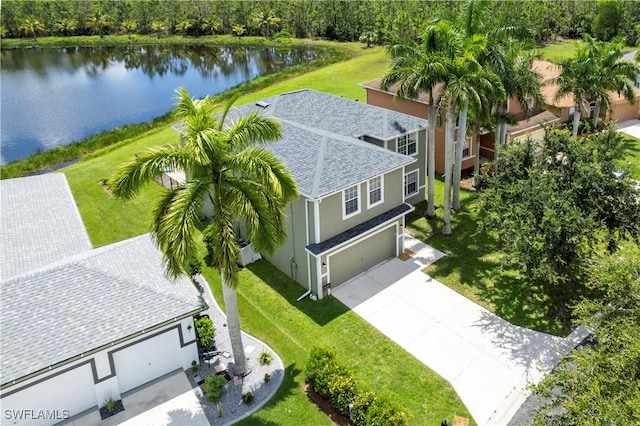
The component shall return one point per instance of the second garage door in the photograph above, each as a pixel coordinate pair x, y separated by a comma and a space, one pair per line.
358, 258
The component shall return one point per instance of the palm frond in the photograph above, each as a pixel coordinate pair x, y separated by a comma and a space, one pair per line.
251, 129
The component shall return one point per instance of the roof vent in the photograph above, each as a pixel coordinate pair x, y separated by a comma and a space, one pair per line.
262, 104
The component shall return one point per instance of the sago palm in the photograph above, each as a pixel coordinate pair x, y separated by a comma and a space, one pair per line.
227, 169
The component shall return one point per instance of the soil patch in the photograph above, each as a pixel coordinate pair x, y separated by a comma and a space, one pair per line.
336, 417
103, 183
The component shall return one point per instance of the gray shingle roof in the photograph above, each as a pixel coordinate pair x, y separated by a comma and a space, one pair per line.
319, 145
86, 301
39, 223
341, 116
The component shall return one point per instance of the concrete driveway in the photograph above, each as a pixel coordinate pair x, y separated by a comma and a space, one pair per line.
487, 360
630, 127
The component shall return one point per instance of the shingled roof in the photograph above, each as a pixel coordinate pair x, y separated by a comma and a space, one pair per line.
319, 143
39, 223
82, 298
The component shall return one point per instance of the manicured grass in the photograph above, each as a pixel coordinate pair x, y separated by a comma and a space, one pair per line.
555, 52
632, 155
269, 311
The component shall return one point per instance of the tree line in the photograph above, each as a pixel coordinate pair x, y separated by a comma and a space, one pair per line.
376, 22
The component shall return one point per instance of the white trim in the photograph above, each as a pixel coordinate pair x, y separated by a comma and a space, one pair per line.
306, 219
344, 202
381, 177
404, 184
415, 141
316, 220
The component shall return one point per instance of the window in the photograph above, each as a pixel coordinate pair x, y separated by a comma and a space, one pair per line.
466, 148
375, 191
411, 183
406, 144
351, 197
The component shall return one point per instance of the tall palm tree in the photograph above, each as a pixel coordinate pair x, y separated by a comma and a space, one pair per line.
99, 22
612, 73
228, 167
421, 68
576, 78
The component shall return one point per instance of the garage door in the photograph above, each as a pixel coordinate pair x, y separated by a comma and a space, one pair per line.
60, 396
147, 360
358, 258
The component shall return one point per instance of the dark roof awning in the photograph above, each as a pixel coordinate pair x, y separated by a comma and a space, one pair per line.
356, 231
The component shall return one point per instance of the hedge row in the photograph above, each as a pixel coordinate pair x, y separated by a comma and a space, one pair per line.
338, 384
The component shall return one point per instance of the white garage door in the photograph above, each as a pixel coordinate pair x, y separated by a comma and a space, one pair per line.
147, 360
358, 258
52, 400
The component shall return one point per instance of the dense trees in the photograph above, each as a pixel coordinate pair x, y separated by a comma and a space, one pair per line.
228, 170
598, 384
553, 207
344, 20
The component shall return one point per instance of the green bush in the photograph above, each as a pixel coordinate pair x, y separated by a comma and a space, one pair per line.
265, 358
342, 390
247, 397
205, 331
339, 386
213, 386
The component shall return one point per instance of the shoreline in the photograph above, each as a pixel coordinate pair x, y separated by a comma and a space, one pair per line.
63, 155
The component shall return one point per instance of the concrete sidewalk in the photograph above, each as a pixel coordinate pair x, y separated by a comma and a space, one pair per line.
489, 361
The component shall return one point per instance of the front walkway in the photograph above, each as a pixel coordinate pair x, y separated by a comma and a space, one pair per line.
630, 127
487, 360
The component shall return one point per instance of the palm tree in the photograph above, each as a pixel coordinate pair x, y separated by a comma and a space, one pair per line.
228, 167
158, 28
420, 68
265, 21
99, 22
612, 74
66, 26
32, 26
238, 30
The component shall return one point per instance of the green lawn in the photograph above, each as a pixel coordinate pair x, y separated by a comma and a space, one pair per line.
269, 311
632, 155
555, 52
267, 297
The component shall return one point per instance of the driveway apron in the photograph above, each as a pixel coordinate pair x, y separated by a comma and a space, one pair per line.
489, 361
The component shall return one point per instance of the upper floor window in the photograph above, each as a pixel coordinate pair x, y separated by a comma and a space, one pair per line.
406, 144
351, 198
375, 191
466, 148
411, 184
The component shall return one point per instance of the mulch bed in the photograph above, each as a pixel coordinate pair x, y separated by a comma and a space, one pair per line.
104, 413
336, 417
406, 255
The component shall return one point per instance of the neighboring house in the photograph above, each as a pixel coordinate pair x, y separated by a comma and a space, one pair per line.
80, 325
359, 169
564, 108
529, 125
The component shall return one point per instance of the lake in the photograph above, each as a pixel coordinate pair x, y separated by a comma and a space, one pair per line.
51, 97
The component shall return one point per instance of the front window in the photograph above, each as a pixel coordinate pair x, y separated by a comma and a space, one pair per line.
406, 144
411, 183
375, 191
351, 201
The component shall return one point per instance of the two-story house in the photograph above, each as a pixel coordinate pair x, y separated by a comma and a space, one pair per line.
359, 169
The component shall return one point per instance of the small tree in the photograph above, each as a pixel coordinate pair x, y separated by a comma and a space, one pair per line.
239, 30
31, 26
213, 386
205, 331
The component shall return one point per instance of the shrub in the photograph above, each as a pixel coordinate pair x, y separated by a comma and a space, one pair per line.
247, 397
339, 386
194, 366
342, 390
109, 404
213, 386
267, 377
205, 331
265, 358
